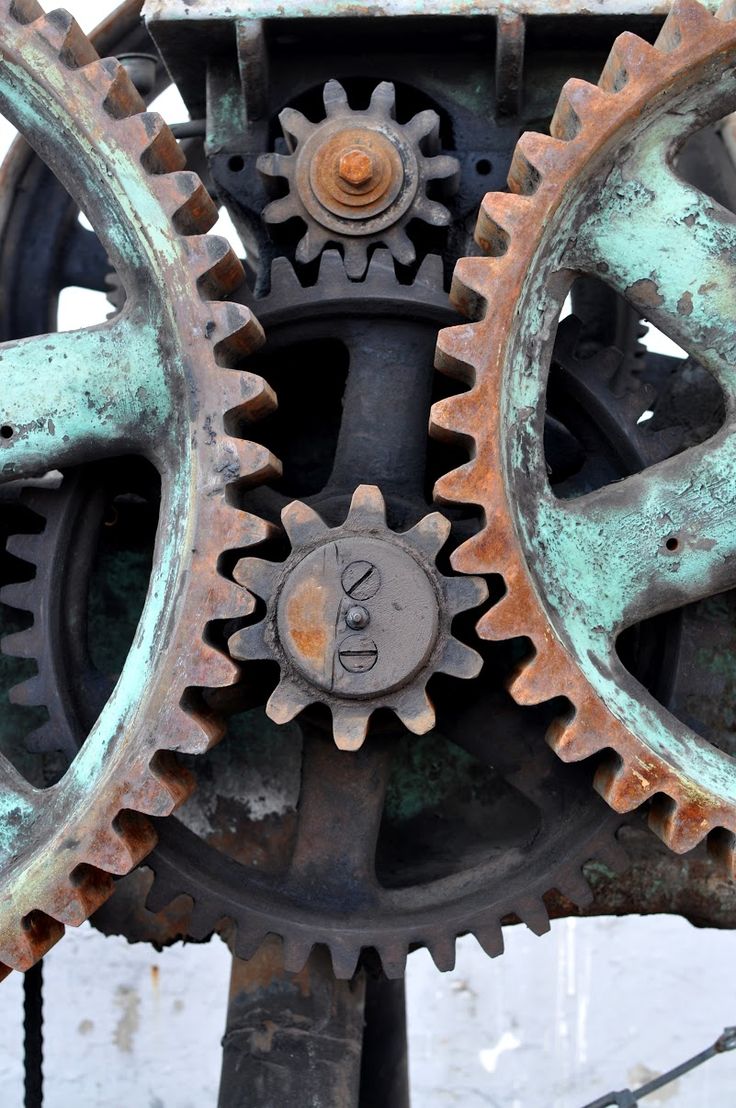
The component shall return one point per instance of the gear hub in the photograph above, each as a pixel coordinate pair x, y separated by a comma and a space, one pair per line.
357, 178
358, 617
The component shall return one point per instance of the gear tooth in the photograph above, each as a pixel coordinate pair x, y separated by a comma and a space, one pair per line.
210, 669
349, 726
285, 702
469, 292
120, 98
430, 534
235, 333
335, 99
400, 245
245, 396
431, 272
30, 942
311, 245
464, 593
202, 922
415, 710
162, 789
258, 576
455, 348
331, 267
294, 125
575, 738
471, 557
344, 960
424, 127
458, 660
18, 595
216, 269
611, 854
297, 948
149, 133
247, 941
442, 950
88, 889
281, 210
533, 913
393, 959
457, 486
64, 35
25, 11
452, 419
442, 167
190, 207
501, 216
367, 507
722, 849
685, 23
275, 165
578, 100
255, 463
431, 211
383, 101
380, 269
502, 621
530, 682
119, 847
29, 548
535, 156
30, 693
623, 785
159, 896
302, 524
490, 937
572, 884
196, 733
356, 259
682, 826
225, 599
249, 645
630, 56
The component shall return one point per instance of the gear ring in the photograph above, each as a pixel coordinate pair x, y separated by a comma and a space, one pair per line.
358, 178
634, 548
59, 846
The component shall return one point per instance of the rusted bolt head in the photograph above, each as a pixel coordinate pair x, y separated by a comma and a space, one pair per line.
357, 617
355, 166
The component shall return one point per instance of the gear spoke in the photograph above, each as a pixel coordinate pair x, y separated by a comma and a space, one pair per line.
652, 542
683, 286
78, 395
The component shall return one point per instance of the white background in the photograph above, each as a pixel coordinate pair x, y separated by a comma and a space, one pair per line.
556, 1022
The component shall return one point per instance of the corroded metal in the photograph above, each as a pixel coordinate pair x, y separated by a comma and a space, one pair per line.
579, 571
357, 178
157, 379
294, 9
358, 657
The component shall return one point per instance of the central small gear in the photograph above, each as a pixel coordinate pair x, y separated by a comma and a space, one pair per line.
358, 617
358, 177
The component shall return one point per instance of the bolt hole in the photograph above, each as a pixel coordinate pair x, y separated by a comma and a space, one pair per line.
672, 544
483, 167
236, 164
6, 432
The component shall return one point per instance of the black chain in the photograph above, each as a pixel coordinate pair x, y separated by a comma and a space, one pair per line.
33, 1035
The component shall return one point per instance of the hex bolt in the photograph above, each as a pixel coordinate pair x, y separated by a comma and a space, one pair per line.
361, 580
357, 654
355, 166
357, 617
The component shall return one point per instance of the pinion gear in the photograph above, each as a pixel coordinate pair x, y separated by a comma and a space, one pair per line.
357, 178
155, 380
601, 197
358, 617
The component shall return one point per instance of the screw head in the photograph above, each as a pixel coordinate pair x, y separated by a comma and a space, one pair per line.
361, 580
357, 654
357, 617
355, 166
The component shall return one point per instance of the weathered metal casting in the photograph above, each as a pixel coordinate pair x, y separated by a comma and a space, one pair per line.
358, 178
600, 197
358, 618
156, 380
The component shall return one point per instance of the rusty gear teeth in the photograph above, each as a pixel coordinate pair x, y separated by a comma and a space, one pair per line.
369, 203
71, 847
527, 233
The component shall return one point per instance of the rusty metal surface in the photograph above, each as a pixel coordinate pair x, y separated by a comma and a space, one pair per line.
60, 845
357, 178
565, 190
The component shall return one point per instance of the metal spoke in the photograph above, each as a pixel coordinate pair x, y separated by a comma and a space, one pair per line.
79, 395
652, 542
671, 251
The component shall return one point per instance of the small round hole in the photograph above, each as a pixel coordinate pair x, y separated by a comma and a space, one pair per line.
6, 432
672, 544
483, 167
236, 164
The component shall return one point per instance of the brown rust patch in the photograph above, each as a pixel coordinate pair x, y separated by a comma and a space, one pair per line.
308, 618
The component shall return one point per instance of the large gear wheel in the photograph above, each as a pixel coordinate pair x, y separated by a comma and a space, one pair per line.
357, 178
156, 380
601, 197
358, 618
519, 821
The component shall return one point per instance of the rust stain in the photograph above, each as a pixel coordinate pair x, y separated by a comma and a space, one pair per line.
308, 620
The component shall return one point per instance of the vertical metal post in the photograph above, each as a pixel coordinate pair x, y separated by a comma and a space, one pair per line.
33, 1035
384, 1075
291, 1040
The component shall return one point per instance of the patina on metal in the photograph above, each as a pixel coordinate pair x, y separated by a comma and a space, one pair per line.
145, 382
578, 572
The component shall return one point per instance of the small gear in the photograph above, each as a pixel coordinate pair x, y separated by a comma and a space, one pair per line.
358, 617
601, 197
357, 178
